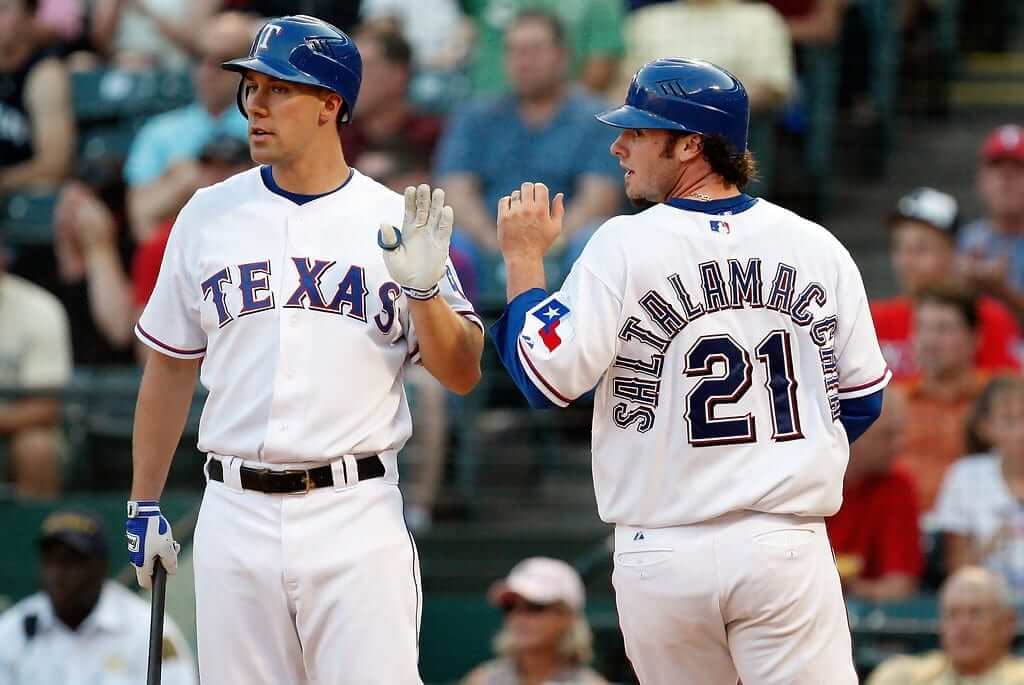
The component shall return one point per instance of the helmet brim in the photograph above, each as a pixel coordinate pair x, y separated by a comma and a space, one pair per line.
629, 116
270, 67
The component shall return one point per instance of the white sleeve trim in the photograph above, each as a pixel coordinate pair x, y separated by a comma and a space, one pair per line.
868, 388
162, 347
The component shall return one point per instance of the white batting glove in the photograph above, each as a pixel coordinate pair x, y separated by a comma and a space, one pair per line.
416, 255
149, 536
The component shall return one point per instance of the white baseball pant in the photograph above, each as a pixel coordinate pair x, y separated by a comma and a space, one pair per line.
321, 588
748, 595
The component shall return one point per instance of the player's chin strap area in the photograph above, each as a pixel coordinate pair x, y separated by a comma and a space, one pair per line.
298, 481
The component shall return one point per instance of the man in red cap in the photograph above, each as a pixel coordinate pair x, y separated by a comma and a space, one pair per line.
993, 246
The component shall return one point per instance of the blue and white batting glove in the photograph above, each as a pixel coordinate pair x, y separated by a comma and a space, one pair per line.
149, 536
417, 255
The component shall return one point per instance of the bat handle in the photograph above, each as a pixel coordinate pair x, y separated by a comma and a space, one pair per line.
156, 623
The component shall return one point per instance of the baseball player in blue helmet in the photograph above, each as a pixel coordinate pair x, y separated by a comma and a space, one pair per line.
734, 359
306, 302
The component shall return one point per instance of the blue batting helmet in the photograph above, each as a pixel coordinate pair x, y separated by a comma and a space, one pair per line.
304, 49
685, 95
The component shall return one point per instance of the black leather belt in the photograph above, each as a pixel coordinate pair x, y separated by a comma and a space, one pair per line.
293, 481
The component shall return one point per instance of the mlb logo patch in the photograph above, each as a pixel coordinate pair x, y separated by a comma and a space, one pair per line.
554, 328
720, 227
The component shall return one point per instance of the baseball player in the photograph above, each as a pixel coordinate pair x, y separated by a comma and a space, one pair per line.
734, 358
277, 281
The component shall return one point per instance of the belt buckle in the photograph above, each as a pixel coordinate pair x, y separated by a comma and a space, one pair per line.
307, 482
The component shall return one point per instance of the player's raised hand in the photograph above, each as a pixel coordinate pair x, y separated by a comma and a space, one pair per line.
527, 222
416, 255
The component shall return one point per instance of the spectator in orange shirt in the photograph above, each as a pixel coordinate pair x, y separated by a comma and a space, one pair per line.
875, 534
924, 229
937, 404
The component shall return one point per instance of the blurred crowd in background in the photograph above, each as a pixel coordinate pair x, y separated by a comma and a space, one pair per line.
114, 112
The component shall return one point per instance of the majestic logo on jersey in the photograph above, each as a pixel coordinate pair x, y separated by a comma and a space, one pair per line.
720, 227
552, 314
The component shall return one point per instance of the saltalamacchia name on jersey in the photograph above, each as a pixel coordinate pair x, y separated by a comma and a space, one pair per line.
743, 287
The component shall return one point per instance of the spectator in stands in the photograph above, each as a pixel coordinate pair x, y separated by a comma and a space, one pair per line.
384, 115
545, 637
35, 365
147, 34
748, 39
93, 248
593, 40
434, 29
81, 627
344, 15
923, 227
979, 436
544, 130
979, 506
938, 402
977, 624
37, 130
88, 228
875, 533
993, 246
162, 171
811, 22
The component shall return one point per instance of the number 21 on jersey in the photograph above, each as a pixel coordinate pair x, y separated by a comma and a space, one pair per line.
705, 427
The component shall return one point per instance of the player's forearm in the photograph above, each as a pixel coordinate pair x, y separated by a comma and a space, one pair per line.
473, 217
522, 274
889, 588
110, 294
28, 413
152, 203
450, 345
164, 399
598, 201
35, 172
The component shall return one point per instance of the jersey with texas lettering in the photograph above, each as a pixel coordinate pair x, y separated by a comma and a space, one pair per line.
302, 332
721, 346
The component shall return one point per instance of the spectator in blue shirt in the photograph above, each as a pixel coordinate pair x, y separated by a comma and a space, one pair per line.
162, 169
993, 246
543, 130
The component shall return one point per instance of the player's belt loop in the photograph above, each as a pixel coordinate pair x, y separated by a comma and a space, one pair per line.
233, 473
346, 472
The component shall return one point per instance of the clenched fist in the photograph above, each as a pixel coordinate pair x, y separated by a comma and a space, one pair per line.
527, 224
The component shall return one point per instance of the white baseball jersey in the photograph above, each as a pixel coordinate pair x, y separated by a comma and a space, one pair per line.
721, 346
302, 332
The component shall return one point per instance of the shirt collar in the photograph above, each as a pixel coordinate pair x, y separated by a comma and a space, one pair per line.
105, 616
729, 205
267, 175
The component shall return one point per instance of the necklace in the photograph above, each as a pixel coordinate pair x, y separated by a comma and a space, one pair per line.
703, 197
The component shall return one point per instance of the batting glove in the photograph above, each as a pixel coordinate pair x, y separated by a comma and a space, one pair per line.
149, 537
417, 255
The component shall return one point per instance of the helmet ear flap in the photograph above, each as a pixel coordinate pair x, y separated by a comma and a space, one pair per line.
240, 98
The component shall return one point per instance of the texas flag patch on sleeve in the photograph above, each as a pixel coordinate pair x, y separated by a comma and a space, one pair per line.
548, 326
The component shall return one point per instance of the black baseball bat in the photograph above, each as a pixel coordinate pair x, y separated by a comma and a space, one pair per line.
156, 623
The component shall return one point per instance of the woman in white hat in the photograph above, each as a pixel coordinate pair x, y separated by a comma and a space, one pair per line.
545, 638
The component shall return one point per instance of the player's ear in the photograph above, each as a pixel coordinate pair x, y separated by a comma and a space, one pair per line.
689, 146
331, 107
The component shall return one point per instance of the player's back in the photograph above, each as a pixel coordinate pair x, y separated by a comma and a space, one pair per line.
737, 336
